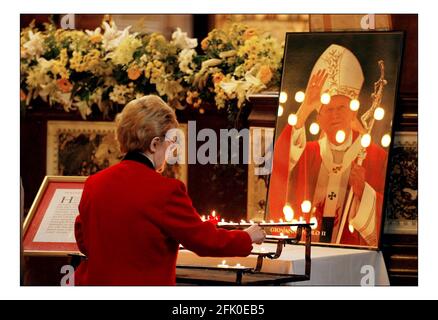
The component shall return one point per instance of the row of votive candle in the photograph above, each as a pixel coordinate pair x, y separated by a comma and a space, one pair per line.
226, 266
263, 223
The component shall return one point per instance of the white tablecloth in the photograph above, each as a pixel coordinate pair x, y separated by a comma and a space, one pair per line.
330, 266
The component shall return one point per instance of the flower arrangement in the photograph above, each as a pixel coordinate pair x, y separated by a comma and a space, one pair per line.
107, 66
237, 62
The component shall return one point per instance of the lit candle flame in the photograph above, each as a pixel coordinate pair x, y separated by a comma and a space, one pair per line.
314, 128
379, 113
283, 97
365, 141
386, 140
288, 212
351, 228
213, 213
354, 105
280, 111
340, 136
299, 96
223, 264
294, 228
292, 119
306, 206
315, 222
325, 98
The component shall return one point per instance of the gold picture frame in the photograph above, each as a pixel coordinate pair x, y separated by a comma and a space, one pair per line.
37, 213
82, 148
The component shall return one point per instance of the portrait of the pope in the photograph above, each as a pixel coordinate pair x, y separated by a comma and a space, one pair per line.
332, 139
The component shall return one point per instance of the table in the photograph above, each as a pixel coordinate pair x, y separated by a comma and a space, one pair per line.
330, 266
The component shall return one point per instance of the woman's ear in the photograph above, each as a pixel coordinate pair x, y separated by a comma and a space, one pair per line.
154, 144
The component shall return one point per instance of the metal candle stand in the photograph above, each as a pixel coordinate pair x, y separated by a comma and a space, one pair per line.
251, 276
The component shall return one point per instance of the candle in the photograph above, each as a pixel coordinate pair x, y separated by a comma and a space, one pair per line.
315, 222
293, 228
261, 250
203, 218
223, 264
325, 98
281, 236
306, 206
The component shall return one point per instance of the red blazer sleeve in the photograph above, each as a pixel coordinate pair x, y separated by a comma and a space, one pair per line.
181, 222
79, 235
83, 208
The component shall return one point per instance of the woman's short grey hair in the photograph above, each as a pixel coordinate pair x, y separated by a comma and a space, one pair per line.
141, 120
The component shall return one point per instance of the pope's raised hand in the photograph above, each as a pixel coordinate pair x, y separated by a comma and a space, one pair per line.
313, 91
312, 99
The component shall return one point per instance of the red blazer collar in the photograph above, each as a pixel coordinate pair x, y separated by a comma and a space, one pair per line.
139, 157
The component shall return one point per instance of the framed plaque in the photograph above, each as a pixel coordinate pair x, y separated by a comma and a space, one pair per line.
49, 227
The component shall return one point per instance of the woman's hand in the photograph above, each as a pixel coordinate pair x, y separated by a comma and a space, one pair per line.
312, 97
256, 233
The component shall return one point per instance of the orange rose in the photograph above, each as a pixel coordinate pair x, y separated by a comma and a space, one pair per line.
264, 74
64, 85
204, 44
134, 73
218, 77
249, 33
96, 38
193, 99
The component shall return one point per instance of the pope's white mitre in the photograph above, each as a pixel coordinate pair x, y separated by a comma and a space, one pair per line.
345, 76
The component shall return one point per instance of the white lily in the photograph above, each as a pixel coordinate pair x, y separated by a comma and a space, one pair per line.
182, 41
242, 88
62, 98
112, 36
82, 106
95, 32
96, 98
34, 46
201, 77
185, 59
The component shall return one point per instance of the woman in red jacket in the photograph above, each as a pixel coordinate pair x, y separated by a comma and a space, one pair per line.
132, 219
